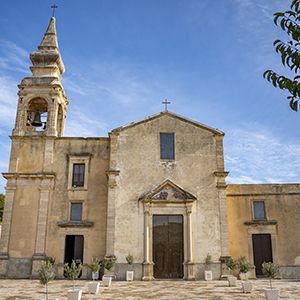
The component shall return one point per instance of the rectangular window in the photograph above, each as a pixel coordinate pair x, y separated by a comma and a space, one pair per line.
167, 150
76, 212
259, 212
78, 175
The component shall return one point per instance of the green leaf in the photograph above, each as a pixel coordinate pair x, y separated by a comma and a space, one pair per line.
294, 105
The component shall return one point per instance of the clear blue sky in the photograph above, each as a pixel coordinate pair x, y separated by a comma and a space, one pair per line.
123, 57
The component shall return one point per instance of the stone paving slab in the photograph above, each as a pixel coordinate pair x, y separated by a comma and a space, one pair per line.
139, 290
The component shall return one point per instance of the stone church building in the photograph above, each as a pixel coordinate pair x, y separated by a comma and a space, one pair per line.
155, 188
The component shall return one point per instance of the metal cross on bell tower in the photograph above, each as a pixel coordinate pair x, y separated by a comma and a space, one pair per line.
54, 7
166, 102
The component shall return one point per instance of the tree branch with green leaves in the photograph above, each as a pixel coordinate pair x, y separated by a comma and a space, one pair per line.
289, 22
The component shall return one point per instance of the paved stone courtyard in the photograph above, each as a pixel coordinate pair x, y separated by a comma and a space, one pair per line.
165, 290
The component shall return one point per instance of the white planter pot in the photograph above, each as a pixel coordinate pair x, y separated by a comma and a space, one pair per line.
247, 286
231, 280
208, 275
272, 294
129, 275
244, 276
93, 287
95, 275
106, 280
74, 295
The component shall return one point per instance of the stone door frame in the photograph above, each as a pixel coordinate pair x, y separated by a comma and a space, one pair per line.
162, 208
262, 229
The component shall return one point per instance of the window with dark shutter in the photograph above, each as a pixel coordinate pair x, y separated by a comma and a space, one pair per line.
78, 175
167, 150
259, 212
76, 212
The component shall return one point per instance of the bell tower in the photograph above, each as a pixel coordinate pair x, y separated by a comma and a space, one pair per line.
42, 103
40, 119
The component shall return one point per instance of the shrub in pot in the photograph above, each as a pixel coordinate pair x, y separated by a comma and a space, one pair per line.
129, 273
244, 267
270, 270
72, 272
46, 274
108, 264
94, 266
231, 265
208, 272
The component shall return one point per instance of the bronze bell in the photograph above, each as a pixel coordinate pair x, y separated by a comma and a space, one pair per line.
37, 120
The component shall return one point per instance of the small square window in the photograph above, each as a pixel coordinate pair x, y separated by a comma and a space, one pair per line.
259, 212
78, 175
76, 212
167, 150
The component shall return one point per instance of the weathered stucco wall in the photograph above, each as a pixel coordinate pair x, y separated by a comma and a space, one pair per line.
37, 201
24, 222
282, 204
137, 157
94, 198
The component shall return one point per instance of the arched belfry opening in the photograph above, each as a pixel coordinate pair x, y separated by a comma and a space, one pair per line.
37, 114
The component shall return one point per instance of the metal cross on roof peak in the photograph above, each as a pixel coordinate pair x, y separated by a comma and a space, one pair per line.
54, 6
166, 102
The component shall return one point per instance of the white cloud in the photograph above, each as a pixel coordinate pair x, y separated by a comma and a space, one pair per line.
8, 102
83, 125
13, 57
122, 84
253, 155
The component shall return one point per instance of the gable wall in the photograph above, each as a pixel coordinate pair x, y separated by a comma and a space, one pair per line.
137, 157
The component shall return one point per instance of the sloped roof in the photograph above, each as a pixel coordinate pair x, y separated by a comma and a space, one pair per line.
152, 193
173, 115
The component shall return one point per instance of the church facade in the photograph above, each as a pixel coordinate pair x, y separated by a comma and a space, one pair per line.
155, 189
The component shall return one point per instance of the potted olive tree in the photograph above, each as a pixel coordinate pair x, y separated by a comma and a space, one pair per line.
231, 265
208, 271
108, 264
46, 274
129, 273
94, 266
271, 270
72, 272
244, 268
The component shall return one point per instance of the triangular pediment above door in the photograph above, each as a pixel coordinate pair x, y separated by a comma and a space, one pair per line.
168, 191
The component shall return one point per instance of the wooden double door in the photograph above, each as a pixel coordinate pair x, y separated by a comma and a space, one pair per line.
168, 246
262, 251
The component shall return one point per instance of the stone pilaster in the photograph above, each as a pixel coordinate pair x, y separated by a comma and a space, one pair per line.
221, 186
8, 207
223, 222
219, 152
40, 242
52, 118
147, 264
6, 224
111, 211
189, 264
18, 130
48, 155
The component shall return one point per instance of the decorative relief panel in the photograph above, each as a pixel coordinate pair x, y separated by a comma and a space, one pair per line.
169, 193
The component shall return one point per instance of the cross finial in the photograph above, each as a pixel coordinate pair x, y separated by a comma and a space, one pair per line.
166, 102
54, 6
